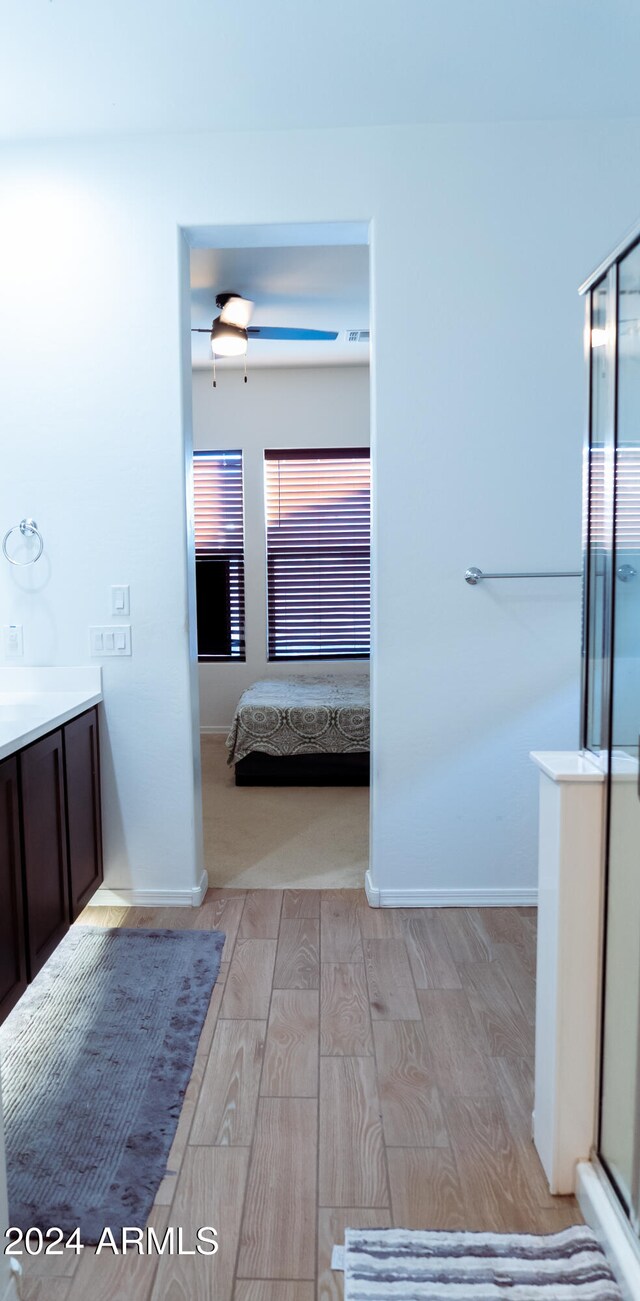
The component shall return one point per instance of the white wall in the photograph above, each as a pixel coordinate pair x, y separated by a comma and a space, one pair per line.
480, 237
286, 407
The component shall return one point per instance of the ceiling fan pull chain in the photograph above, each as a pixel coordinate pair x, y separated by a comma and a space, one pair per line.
245, 367
214, 371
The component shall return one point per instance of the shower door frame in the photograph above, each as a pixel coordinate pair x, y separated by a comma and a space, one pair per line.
607, 272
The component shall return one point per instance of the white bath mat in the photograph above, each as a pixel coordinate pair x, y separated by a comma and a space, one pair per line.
406, 1265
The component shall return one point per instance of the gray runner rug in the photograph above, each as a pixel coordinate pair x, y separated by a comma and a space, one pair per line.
407, 1265
96, 1058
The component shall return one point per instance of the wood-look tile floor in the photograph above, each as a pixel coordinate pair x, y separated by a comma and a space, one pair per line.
357, 1067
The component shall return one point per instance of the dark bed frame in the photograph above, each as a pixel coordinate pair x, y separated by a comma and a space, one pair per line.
258, 769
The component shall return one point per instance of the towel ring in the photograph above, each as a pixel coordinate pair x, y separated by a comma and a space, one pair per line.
29, 529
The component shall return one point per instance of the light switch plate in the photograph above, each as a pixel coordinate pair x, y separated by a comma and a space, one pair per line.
120, 603
13, 641
112, 640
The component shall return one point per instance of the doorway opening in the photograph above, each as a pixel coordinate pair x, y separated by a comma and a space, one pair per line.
279, 489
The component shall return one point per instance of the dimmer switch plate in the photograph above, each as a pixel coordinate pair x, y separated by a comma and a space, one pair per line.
112, 640
120, 599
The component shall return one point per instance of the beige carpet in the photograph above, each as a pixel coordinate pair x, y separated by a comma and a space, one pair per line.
292, 837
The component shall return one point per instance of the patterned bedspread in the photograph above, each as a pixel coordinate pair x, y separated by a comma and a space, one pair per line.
303, 715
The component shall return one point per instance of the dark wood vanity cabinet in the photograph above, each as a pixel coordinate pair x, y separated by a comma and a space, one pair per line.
13, 950
84, 838
50, 847
46, 876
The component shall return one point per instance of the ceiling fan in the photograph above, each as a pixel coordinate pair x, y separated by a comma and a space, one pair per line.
230, 332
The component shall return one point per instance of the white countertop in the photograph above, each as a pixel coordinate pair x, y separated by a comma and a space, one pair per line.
567, 766
579, 766
35, 701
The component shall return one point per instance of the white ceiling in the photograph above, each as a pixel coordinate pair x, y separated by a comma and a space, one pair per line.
318, 288
73, 67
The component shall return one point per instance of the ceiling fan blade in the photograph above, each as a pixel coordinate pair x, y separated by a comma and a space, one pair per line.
283, 332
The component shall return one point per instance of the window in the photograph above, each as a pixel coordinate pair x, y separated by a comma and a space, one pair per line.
219, 531
318, 552
627, 483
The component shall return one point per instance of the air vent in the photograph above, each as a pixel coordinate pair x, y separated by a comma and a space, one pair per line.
357, 336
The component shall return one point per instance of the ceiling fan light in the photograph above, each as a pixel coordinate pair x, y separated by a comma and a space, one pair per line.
228, 340
235, 309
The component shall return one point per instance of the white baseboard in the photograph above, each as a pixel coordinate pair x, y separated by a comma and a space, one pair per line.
126, 898
487, 898
372, 893
215, 729
200, 890
602, 1212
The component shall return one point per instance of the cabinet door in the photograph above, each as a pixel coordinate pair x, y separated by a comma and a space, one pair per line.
13, 958
82, 769
45, 847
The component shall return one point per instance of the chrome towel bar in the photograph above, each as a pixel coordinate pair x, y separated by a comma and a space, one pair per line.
474, 576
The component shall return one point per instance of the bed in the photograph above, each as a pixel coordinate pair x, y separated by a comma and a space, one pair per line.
302, 731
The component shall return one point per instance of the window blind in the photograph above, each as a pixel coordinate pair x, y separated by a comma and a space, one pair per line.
219, 538
627, 472
318, 553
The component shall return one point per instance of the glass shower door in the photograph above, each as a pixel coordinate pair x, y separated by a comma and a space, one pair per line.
600, 511
620, 1095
